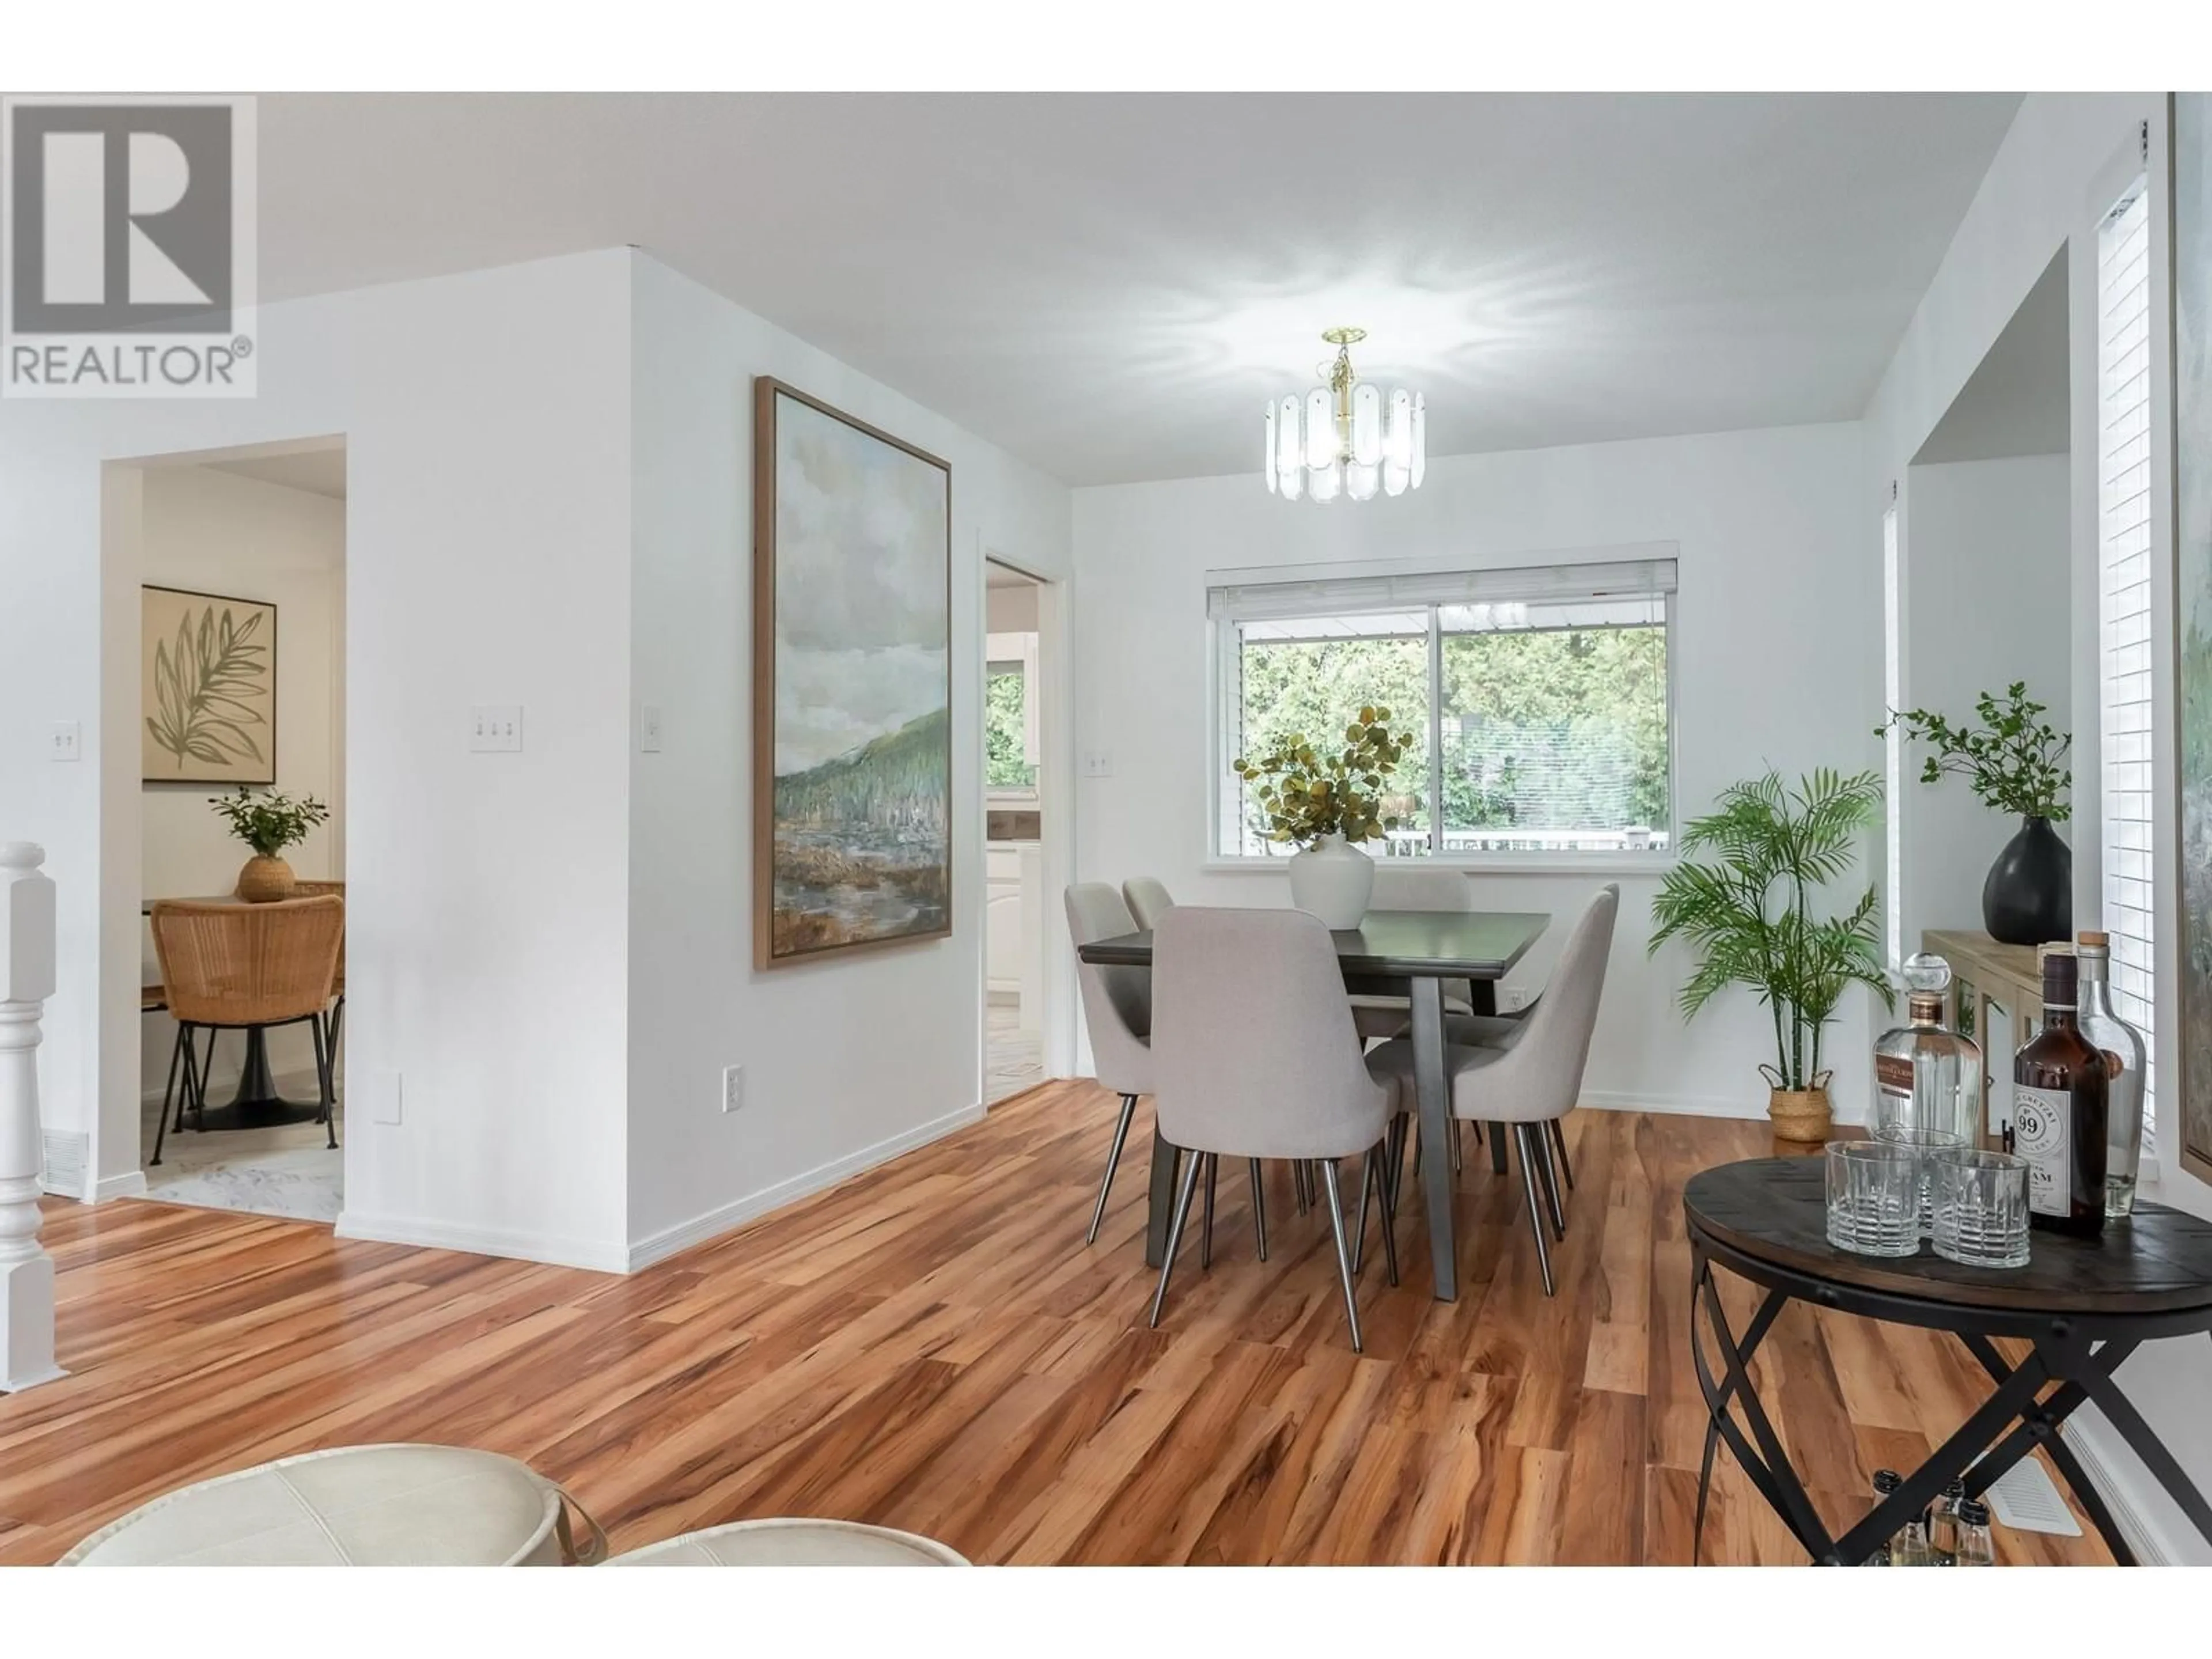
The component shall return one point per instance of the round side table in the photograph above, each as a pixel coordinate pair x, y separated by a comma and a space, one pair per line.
2084, 1305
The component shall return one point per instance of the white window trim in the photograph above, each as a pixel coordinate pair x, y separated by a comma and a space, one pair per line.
1212, 862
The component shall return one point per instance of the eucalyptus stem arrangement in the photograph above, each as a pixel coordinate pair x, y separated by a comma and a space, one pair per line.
270, 821
1306, 791
2015, 760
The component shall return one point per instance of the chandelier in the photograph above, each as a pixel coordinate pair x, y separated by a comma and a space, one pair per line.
1347, 438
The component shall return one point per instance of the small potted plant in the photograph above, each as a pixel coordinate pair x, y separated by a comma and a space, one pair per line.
2016, 761
268, 822
1323, 801
1749, 915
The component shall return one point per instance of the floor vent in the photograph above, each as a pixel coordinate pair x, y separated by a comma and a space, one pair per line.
63, 1157
2025, 1499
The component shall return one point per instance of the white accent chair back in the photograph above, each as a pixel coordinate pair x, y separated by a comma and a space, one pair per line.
1149, 900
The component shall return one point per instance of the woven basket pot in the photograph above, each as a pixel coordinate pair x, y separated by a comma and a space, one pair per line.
1797, 1114
266, 880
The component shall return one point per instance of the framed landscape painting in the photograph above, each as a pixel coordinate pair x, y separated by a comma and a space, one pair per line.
207, 688
2192, 536
852, 684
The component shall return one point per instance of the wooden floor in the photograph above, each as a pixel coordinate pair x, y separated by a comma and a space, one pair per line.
932, 1346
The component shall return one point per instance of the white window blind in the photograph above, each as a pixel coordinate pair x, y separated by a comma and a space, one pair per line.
1892, 691
2124, 608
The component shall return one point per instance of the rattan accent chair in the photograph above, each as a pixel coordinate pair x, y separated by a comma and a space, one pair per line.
334, 1022
232, 967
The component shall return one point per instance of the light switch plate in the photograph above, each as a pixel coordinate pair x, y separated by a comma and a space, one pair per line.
384, 1097
648, 728
1097, 762
495, 728
68, 741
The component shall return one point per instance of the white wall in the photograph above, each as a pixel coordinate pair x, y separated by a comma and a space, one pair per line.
1988, 601
848, 1060
216, 532
1773, 617
2059, 169
488, 424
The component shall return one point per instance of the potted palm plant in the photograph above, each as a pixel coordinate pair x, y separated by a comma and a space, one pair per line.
1748, 913
268, 822
1323, 801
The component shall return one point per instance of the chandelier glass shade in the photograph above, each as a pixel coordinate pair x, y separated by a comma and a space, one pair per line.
1348, 437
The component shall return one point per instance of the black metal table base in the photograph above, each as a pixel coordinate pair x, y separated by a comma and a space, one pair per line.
2077, 1353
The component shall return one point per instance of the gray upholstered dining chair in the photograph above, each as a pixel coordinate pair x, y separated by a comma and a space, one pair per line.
1537, 1081
1253, 1057
1413, 884
1117, 1010
1148, 900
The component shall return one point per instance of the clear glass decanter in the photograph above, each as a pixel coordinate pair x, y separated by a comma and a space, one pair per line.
2125, 1056
1927, 1076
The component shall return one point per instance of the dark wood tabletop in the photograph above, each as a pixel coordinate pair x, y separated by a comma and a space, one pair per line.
1394, 944
1775, 1210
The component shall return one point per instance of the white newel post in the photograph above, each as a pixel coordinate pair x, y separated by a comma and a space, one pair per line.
26, 979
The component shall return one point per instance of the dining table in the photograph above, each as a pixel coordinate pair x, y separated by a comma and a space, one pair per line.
1408, 953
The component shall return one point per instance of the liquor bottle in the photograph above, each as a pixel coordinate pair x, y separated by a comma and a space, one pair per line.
2125, 1058
1927, 1076
2059, 1112
1910, 1547
1943, 1525
1975, 1547
1886, 1481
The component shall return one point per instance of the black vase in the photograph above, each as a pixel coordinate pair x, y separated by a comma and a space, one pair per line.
2029, 899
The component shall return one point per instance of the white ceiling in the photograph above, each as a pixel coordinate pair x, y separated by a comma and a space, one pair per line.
2015, 401
1111, 285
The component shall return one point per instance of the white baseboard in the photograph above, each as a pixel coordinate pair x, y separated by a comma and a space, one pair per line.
1610, 1100
2117, 1482
603, 1258
132, 1185
658, 1247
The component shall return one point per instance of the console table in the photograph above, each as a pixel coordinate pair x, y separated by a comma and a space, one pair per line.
2083, 1304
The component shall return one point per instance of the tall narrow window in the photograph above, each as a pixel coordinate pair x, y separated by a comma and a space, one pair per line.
1538, 702
1892, 691
2123, 607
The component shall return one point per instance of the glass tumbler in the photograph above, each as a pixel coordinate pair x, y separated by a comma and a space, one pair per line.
1874, 1197
1979, 1204
1925, 1143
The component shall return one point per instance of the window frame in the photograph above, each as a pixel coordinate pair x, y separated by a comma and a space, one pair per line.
1222, 638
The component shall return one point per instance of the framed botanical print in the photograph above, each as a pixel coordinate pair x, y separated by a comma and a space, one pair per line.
2192, 536
207, 688
852, 684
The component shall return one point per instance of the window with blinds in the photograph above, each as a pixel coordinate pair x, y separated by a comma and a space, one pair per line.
1539, 700
1892, 691
2124, 608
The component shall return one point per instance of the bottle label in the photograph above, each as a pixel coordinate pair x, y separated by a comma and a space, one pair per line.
2041, 1130
1893, 1083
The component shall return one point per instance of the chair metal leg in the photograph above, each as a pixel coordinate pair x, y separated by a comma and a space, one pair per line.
1372, 1174
1550, 1171
1302, 1183
1497, 1149
196, 1079
1525, 1134
1559, 1143
1457, 1159
323, 1080
1174, 1235
1206, 1232
1113, 1161
176, 1058
1258, 1209
1343, 1255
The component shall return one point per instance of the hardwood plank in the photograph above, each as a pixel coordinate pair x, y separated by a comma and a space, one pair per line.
931, 1345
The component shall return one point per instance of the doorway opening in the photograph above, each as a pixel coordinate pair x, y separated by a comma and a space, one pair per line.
239, 592
1015, 901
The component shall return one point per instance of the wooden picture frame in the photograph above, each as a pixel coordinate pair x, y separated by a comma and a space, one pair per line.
852, 684
208, 689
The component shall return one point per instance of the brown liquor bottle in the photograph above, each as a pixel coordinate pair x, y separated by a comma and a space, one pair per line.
2060, 1083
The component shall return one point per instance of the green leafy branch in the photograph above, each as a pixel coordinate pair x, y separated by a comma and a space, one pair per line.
2014, 760
269, 822
1305, 793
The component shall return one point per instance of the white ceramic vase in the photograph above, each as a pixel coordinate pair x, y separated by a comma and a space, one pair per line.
1334, 880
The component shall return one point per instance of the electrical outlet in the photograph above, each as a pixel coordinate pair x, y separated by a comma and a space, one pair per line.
648, 728
495, 728
384, 1097
1512, 998
733, 1087
67, 741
